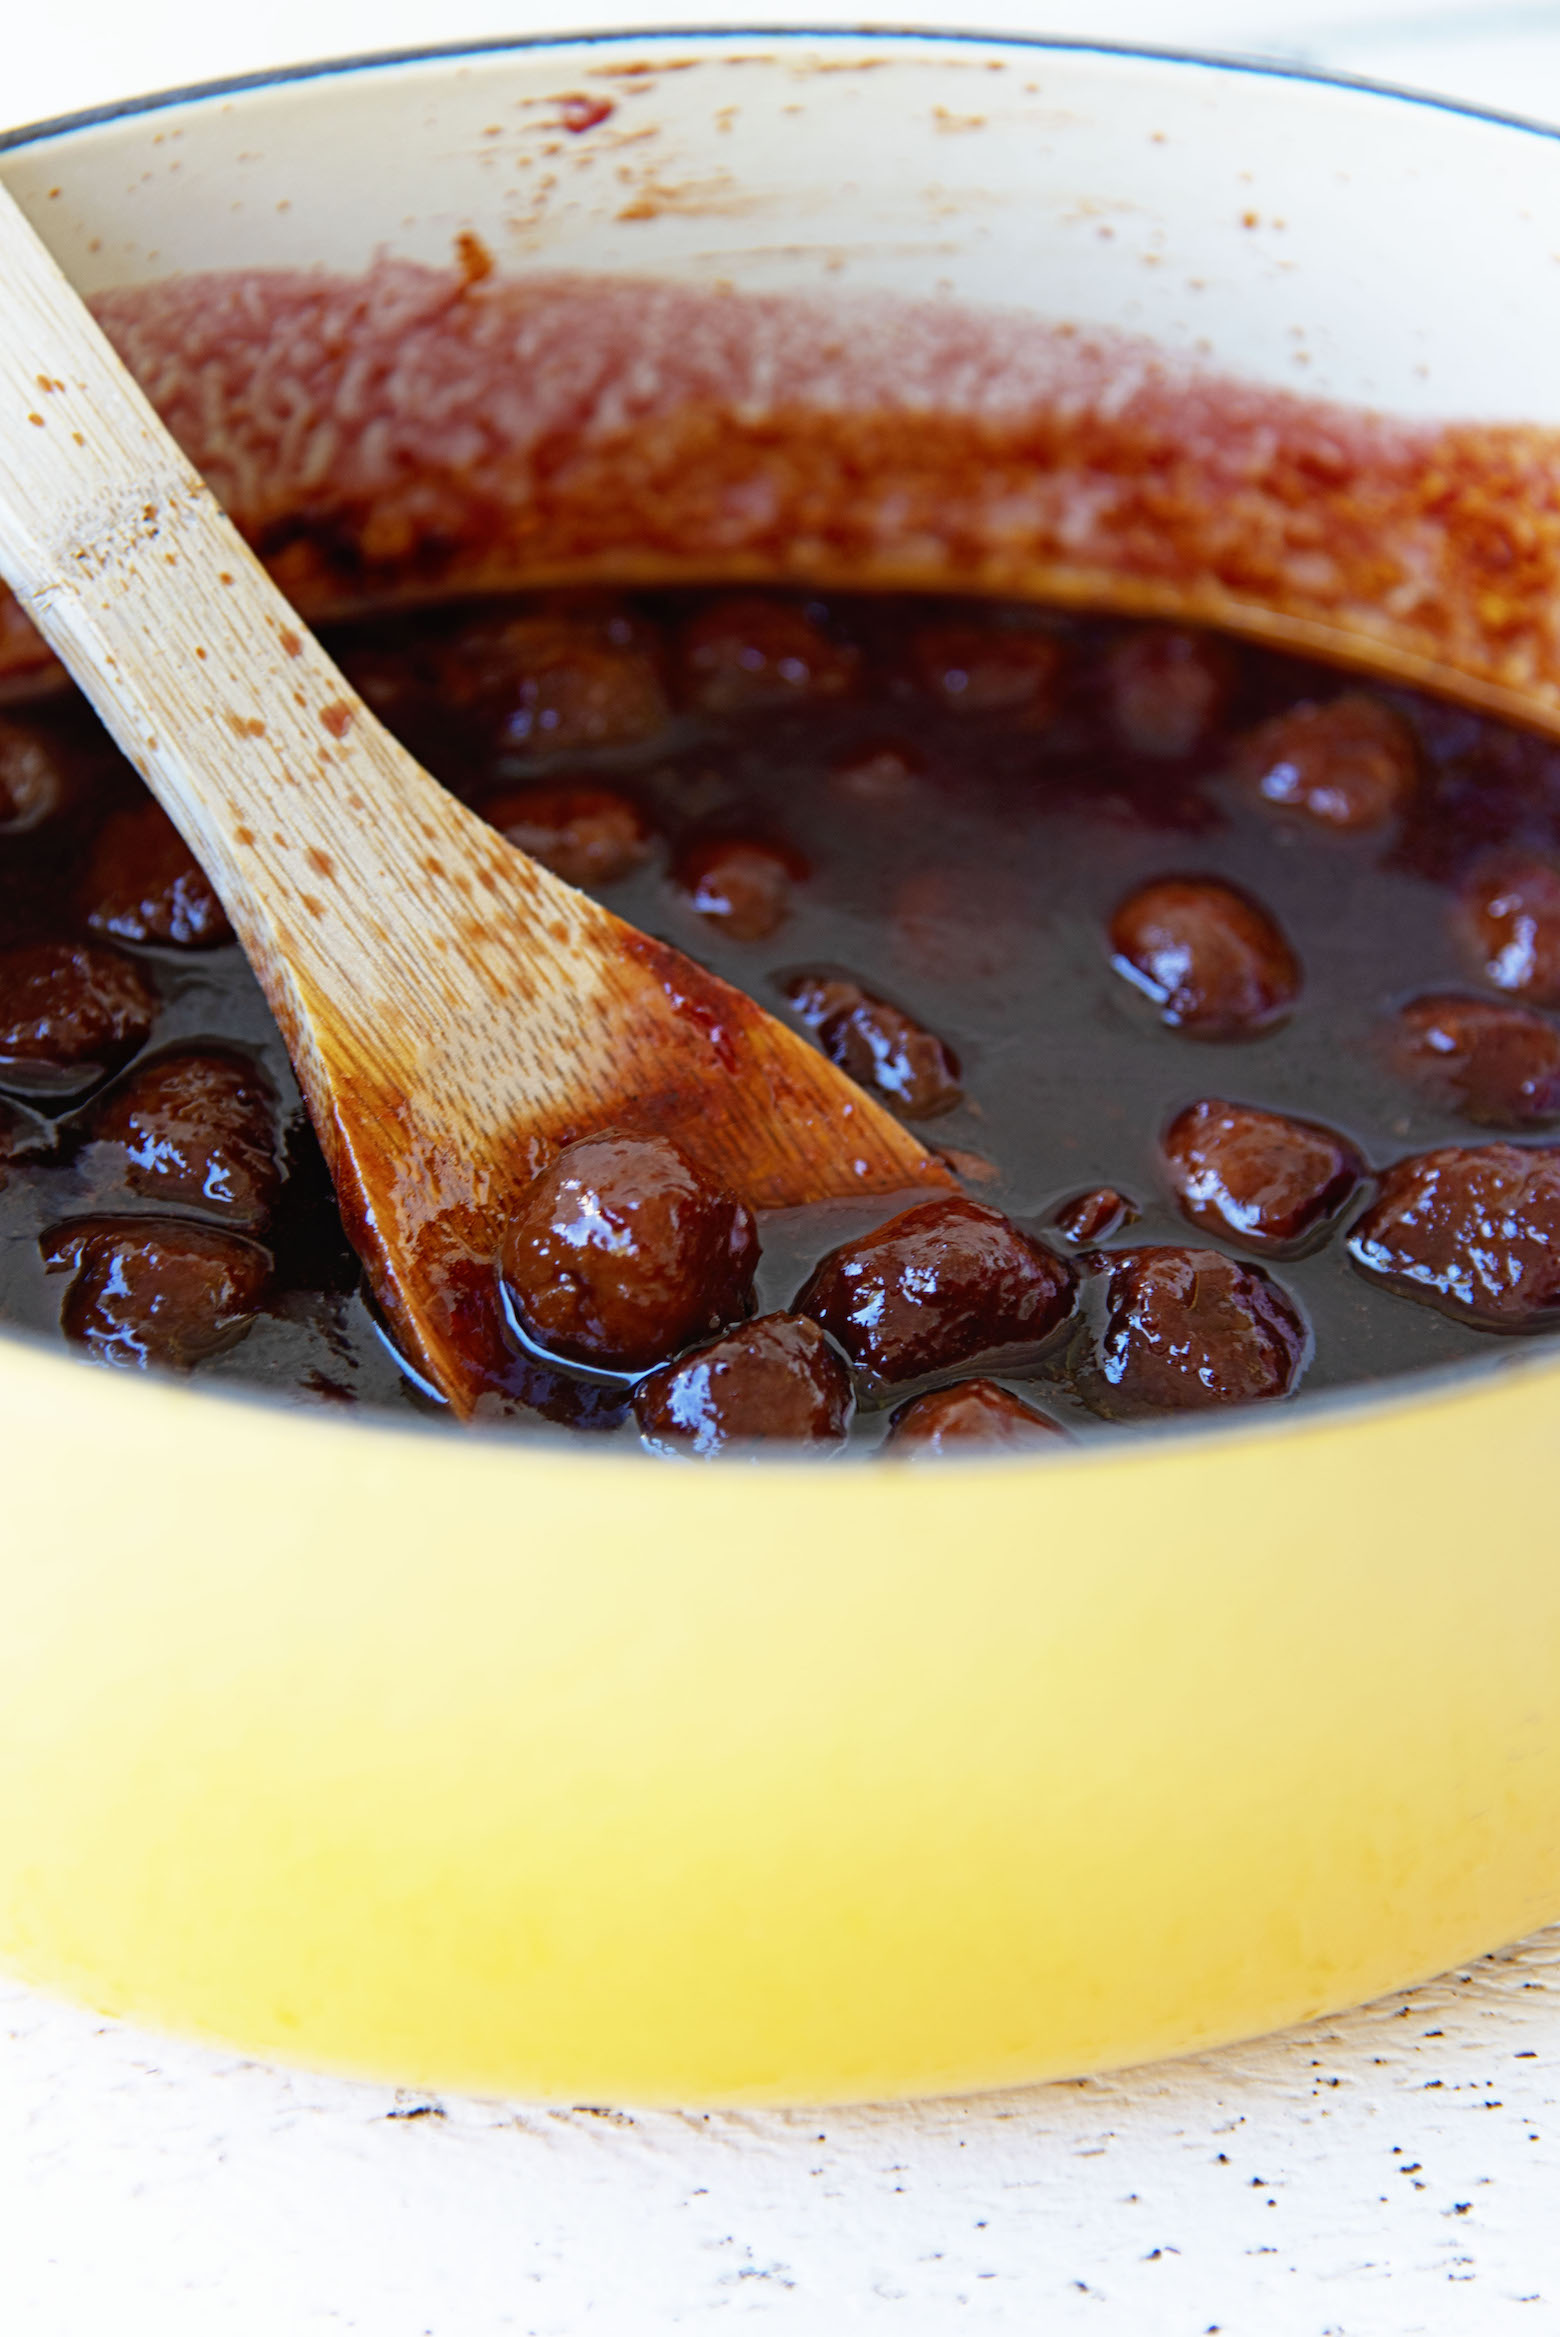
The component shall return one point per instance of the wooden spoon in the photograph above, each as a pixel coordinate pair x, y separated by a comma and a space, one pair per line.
454, 1012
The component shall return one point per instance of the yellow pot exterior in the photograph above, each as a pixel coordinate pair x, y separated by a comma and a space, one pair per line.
597, 1779
563, 1772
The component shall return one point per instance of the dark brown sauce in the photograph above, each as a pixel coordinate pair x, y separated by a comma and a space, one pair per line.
827, 814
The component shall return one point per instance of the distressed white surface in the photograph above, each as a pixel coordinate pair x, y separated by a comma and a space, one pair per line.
1393, 2172
1396, 2170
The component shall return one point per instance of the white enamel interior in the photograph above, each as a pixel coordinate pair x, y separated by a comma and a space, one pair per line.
1390, 253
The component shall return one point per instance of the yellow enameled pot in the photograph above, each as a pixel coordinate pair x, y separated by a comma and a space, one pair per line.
574, 1774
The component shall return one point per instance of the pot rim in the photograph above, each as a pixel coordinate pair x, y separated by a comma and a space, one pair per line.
1324, 1409
507, 44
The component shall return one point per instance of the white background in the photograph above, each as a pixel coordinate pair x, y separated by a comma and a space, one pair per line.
1394, 2172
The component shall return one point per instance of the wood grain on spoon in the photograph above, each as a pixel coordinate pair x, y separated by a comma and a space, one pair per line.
453, 1010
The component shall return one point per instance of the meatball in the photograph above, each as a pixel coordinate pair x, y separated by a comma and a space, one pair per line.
1166, 690
68, 1013
940, 1285
1189, 1330
554, 685
195, 1131
976, 669
879, 1045
150, 1290
752, 651
1212, 960
1259, 1176
739, 885
621, 1253
1471, 1229
34, 781
970, 1414
776, 1380
587, 835
1350, 763
1092, 1216
1496, 1064
143, 883
1510, 915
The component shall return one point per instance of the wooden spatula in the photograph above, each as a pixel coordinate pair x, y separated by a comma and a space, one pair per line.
454, 1012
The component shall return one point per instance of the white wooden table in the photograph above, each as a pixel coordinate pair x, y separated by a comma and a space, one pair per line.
1392, 2172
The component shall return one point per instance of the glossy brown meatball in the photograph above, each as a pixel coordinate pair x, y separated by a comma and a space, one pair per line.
34, 779
154, 1291
1495, 1064
971, 1415
587, 835
1510, 917
1212, 960
1350, 763
749, 651
1471, 1229
1167, 690
740, 885
553, 684
1188, 1331
68, 1012
143, 883
621, 1253
194, 1131
946, 1283
1092, 1216
975, 669
1260, 1177
879, 1045
776, 1380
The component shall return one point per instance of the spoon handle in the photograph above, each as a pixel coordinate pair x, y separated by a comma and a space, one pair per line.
303, 810
453, 1010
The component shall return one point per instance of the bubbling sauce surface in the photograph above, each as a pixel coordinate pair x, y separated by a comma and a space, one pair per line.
1176, 949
